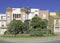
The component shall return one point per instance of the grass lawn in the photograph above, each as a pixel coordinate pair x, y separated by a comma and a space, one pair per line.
26, 36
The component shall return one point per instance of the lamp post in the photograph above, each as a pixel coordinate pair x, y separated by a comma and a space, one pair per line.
27, 12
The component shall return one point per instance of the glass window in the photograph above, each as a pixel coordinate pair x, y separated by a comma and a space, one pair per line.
36, 11
3, 17
57, 28
2, 25
8, 16
36, 14
57, 22
16, 15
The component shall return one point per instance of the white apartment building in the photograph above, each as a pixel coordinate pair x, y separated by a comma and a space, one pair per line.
3, 21
20, 14
16, 12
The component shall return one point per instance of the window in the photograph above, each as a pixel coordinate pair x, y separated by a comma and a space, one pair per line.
3, 17
57, 28
16, 15
57, 22
36, 11
8, 16
36, 14
2, 25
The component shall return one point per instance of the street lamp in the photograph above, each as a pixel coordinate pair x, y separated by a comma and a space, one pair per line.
27, 12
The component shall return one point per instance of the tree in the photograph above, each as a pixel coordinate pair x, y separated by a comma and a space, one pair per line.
39, 27
35, 22
43, 24
15, 27
26, 26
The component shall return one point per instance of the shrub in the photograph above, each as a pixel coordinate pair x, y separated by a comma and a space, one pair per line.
6, 32
51, 31
39, 32
36, 32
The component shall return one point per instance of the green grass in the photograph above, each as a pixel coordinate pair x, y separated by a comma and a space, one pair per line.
17, 36
26, 36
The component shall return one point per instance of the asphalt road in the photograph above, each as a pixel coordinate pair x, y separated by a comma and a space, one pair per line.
31, 41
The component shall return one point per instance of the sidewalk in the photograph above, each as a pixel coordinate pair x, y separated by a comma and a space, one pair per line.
30, 40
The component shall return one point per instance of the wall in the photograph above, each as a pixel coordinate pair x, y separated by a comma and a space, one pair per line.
44, 14
57, 26
2, 20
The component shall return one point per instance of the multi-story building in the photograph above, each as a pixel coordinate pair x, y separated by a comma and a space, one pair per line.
20, 14
57, 24
44, 14
3, 21
54, 22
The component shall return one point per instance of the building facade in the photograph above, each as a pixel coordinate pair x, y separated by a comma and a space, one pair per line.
2, 21
57, 24
54, 22
20, 14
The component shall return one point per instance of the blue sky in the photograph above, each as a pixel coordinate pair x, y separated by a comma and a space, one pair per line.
51, 5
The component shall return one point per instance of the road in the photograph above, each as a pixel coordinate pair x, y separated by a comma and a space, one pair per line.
30, 41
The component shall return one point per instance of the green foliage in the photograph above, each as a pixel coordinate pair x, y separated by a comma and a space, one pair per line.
39, 32
35, 32
15, 26
37, 27
26, 26
43, 23
26, 23
35, 22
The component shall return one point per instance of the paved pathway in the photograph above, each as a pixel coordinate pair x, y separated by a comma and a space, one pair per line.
33, 40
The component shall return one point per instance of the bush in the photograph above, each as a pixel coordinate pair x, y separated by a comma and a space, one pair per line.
36, 32
39, 32
6, 32
51, 32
